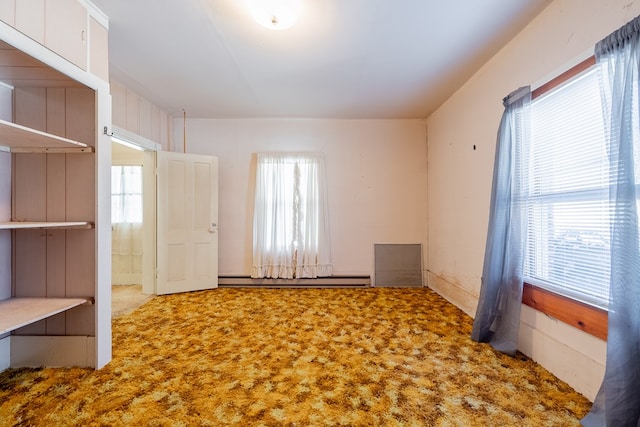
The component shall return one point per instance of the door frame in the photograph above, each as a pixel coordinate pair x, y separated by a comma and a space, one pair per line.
149, 149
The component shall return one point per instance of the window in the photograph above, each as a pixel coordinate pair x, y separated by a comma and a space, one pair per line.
568, 219
291, 231
126, 194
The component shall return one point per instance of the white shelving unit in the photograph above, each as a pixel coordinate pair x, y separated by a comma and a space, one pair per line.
54, 190
18, 312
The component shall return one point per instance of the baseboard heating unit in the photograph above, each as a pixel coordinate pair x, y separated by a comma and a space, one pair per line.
320, 282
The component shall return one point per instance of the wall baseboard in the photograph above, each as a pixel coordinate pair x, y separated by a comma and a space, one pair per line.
320, 282
454, 293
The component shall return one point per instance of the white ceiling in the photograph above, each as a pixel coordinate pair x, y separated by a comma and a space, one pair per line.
343, 58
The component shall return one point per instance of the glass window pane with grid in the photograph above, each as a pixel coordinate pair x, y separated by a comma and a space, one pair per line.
126, 194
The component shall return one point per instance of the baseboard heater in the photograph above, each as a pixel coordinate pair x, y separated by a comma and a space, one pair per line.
320, 282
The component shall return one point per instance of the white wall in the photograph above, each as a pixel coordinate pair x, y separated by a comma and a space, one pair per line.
460, 178
377, 172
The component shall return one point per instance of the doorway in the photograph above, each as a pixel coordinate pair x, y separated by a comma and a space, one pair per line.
133, 220
127, 227
169, 210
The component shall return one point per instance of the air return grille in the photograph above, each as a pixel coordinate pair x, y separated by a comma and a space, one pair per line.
398, 265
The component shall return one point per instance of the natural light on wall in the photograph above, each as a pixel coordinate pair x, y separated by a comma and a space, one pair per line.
275, 14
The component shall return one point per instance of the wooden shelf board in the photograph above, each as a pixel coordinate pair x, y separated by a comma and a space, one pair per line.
14, 135
18, 312
50, 150
25, 224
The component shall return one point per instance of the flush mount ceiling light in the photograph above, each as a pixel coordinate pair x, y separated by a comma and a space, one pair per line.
275, 14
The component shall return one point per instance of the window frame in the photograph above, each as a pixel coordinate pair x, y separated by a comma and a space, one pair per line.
590, 319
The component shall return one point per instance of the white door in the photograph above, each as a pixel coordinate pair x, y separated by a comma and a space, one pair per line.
187, 216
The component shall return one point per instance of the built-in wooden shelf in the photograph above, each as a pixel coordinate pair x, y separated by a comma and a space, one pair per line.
28, 224
18, 312
50, 150
21, 137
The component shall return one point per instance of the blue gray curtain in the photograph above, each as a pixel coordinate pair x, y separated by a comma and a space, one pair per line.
497, 319
618, 400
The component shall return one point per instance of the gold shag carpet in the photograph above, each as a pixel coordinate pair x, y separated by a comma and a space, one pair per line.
294, 357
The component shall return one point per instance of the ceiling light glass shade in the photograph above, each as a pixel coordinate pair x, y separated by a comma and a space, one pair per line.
275, 14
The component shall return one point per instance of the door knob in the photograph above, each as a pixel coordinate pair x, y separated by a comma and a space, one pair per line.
213, 227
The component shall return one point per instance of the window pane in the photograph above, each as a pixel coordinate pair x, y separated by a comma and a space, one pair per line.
126, 194
568, 241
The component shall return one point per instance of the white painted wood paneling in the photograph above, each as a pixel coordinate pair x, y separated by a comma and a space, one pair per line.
98, 49
29, 108
30, 351
133, 112
166, 131
155, 124
80, 115
144, 118
29, 18
8, 14
56, 111
66, 30
140, 116
119, 104
56, 239
29, 185
30, 278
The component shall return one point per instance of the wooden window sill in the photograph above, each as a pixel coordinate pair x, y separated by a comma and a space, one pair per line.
589, 319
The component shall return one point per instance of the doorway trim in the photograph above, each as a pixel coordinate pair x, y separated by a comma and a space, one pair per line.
132, 140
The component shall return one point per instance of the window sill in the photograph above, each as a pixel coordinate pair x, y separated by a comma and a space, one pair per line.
589, 319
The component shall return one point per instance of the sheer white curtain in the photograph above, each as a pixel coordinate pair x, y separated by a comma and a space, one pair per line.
291, 218
126, 221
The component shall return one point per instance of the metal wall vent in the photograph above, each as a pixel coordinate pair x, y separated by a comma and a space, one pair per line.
398, 265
